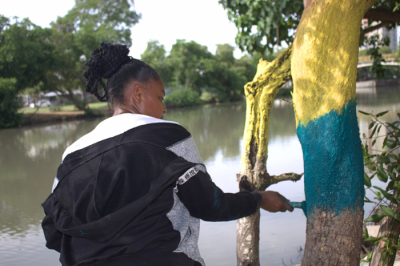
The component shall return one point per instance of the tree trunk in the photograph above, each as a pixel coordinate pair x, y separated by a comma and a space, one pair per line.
324, 71
80, 105
390, 228
253, 176
247, 248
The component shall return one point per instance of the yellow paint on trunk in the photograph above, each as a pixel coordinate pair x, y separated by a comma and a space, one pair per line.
260, 94
325, 54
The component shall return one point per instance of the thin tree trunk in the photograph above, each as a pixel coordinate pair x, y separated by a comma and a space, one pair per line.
390, 228
324, 71
248, 238
71, 97
253, 176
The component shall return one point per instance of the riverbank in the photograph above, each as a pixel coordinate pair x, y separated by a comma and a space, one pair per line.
32, 117
41, 118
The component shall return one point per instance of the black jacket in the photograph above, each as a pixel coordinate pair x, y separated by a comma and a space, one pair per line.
135, 198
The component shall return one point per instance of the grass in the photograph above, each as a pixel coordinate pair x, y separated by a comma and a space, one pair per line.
64, 108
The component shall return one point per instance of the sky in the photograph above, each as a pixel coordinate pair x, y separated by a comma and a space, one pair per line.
204, 22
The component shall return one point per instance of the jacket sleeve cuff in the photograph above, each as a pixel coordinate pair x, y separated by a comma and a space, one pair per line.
258, 198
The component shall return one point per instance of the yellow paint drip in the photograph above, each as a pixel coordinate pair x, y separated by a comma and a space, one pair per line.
325, 55
260, 94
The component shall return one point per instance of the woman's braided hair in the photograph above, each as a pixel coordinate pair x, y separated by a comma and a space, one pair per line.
111, 62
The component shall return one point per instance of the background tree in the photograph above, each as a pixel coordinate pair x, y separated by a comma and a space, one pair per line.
264, 25
186, 60
81, 31
190, 66
9, 103
26, 56
155, 56
324, 101
224, 55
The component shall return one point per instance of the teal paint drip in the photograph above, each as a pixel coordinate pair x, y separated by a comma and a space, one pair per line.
333, 162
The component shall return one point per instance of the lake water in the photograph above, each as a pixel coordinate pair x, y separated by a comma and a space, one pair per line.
29, 158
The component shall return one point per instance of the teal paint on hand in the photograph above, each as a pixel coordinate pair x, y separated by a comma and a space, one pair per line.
333, 162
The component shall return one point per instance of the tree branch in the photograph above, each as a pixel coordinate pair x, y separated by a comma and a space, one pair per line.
383, 14
380, 25
284, 177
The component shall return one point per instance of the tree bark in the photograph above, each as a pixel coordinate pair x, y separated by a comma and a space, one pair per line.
324, 71
253, 176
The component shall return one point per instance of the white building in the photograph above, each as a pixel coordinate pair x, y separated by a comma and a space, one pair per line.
382, 33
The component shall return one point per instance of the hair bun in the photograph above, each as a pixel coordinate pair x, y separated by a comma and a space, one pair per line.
105, 61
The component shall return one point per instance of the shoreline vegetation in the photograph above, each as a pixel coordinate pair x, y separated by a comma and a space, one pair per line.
59, 114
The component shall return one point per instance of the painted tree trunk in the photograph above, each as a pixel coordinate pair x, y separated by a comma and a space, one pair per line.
324, 71
253, 176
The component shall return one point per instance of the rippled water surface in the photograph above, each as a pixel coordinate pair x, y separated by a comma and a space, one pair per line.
29, 158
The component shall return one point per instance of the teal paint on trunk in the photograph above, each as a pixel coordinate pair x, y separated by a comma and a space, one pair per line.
333, 162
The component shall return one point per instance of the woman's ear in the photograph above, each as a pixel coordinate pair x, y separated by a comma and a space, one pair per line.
137, 92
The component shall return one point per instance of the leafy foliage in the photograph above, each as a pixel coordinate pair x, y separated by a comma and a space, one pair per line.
182, 98
52, 59
9, 103
384, 163
191, 65
25, 53
263, 24
375, 45
81, 31
26, 56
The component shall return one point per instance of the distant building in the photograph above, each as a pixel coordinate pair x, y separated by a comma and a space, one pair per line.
382, 33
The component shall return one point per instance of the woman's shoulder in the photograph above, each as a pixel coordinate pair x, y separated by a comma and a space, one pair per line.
131, 126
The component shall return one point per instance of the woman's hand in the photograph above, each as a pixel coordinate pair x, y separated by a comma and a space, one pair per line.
274, 202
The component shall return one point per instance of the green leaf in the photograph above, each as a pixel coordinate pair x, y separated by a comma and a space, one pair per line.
378, 195
384, 142
367, 200
392, 176
397, 217
381, 174
388, 211
373, 142
369, 256
367, 180
364, 113
390, 186
373, 132
385, 159
384, 255
372, 239
365, 233
371, 124
385, 193
381, 113
375, 218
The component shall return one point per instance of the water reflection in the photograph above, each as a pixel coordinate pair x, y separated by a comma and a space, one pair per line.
214, 128
29, 158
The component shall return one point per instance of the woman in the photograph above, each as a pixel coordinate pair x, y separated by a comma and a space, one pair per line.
132, 191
